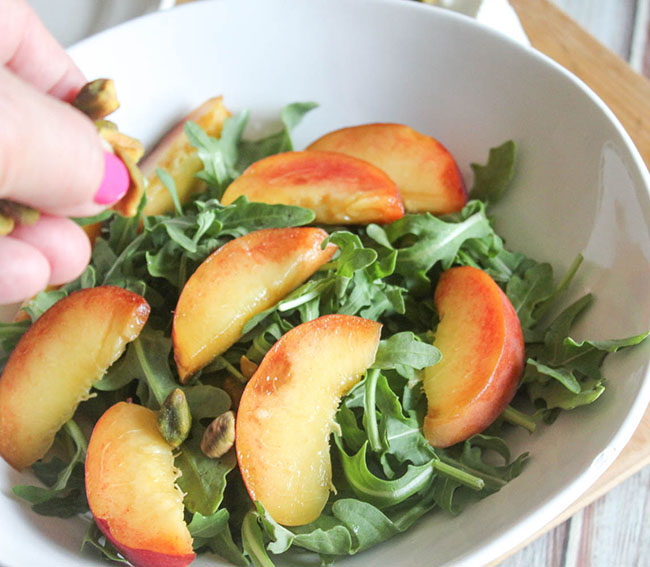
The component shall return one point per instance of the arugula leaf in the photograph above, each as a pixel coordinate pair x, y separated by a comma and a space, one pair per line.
242, 216
405, 353
100, 217
560, 328
587, 356
252, 151
377, 491
528, 291
352, 256
400, 430
436, 241
169, 184
366, 523
565, 374
206, 527
65, 495
95, 538
491, 179
218, 154
213, 532
10, 334
42, 302
325, 535
471, 456
225, 158
347, 527
206, 400
354, 436
203, 480
253, 541
146, 360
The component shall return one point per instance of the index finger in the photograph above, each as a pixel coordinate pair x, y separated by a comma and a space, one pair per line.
29, 50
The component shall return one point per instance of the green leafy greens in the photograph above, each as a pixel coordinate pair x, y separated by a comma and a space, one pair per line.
386, 474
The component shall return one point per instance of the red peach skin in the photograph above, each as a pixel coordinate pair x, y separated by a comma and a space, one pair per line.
339, 189
286, 414
425, 172
482, 346
130, 479
242, 278
57, 361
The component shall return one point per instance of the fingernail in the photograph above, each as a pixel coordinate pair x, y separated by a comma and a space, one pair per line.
115, 181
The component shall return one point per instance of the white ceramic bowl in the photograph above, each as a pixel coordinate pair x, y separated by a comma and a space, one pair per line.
580, 187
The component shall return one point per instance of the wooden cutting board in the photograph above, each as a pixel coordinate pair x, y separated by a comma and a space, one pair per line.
628, 95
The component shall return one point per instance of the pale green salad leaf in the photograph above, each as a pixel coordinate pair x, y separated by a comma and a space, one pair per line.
493, 178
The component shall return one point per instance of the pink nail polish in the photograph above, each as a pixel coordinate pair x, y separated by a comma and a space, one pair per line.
115, 181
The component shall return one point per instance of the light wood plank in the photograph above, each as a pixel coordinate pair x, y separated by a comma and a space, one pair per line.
558, 36
547, 551
612, 21
621, 532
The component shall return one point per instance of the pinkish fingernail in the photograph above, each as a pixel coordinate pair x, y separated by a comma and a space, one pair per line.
115, 181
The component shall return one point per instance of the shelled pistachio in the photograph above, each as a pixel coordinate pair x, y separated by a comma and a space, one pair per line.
219, 437
174, 418
97, 99
13, 214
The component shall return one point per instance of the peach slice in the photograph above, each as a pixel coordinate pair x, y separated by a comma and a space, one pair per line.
177, 157
482, 346
130, 483
339, 189
286, 414
242, 278
426, 174
57, 361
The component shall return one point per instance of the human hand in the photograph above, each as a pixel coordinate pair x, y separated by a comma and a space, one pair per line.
51, 157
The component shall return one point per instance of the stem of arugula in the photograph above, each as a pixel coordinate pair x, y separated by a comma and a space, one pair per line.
516, 417
465, 478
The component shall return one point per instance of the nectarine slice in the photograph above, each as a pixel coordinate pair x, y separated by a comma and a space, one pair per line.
242, 278
425, 172
130, 484
482, 347
286, 414
177, 157
339, 189
57, 361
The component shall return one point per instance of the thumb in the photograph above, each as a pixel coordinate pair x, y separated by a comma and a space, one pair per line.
51, 156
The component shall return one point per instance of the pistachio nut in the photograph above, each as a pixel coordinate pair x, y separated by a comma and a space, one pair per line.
7, 224
174, 418
97, 99
119, 141
12, 214
219, 437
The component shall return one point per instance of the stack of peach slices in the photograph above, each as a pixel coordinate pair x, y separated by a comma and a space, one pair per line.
284, 420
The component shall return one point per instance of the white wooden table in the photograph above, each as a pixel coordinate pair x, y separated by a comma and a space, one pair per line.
611, 532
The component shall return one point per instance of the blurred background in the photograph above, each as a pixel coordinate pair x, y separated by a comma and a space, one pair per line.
621, 25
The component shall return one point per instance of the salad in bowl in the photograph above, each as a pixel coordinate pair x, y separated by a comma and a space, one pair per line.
282, 356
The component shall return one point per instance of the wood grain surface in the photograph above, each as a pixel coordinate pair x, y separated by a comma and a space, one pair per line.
627, 93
